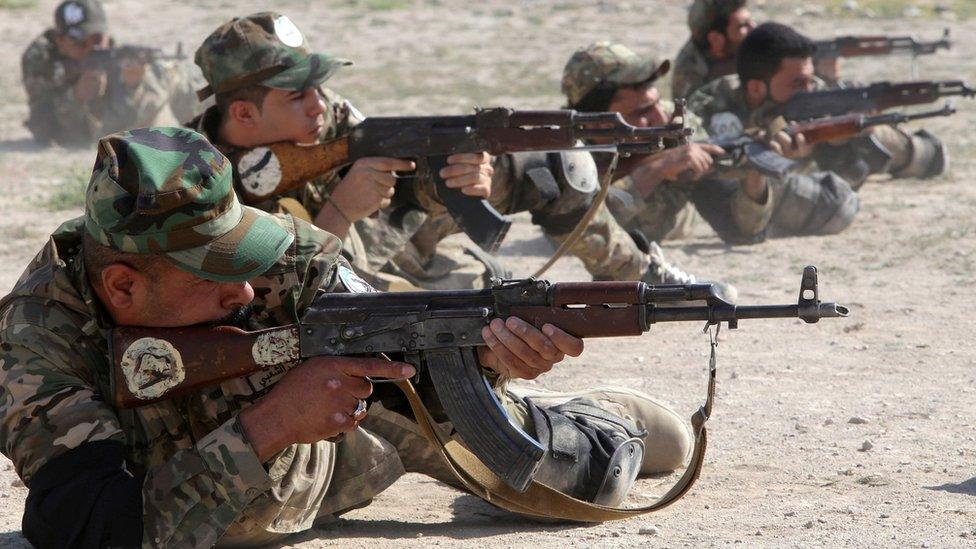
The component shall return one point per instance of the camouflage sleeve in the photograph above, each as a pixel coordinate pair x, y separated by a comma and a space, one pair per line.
49, 407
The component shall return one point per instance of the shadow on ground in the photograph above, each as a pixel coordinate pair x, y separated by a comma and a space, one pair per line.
13, 539
967, 487
473, 518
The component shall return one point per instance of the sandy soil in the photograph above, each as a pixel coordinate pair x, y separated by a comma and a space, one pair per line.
787, 465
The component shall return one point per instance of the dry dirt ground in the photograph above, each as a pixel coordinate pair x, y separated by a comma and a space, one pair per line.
786, 465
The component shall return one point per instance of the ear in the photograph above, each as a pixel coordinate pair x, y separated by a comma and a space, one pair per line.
244, 113
756, 92
716, 44
122, 288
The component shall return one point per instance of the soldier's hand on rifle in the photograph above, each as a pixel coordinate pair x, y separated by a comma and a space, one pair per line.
792, 147
90, 85
132, 72
366, 188
519, 350
469, 172
689, 161
317, 400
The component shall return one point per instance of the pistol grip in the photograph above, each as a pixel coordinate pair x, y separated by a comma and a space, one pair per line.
476, 217
479, 418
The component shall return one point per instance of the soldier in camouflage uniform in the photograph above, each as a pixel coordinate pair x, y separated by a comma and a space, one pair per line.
238, 57
74, 102
775, 62
658, 195
164, 242
717, 27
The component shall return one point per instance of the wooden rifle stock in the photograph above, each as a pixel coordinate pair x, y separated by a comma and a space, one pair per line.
149, 369
264, 172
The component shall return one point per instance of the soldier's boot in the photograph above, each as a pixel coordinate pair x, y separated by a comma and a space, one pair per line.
929, 157
662, 271
592, 454
667, 439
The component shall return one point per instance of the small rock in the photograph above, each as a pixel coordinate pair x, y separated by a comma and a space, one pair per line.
735, 375
885, 515
846, 472
649, 531
790, 514
866, 446
808, 525
828, 421
858, 420
822, 521
926, 544
873, 480
758, 532
17, 483
615, 534
851, 5
640, 360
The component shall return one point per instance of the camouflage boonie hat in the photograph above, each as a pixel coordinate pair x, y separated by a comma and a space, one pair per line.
265, 48
702, 14
169, 191
605, 63
80, 19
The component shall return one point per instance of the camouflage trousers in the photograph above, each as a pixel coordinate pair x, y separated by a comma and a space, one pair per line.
364, 463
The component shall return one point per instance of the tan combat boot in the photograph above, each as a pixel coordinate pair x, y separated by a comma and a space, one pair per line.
668, 440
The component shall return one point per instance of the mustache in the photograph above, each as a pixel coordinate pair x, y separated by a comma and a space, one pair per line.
238, 318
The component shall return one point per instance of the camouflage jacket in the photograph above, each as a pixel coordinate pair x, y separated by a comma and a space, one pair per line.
55, 114
372, 241
201, 475
692, 70
655, 215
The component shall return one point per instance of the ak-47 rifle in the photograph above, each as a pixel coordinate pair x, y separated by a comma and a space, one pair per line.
750, 152
873, 98
862, 46
437, 332
110, 59
267, 171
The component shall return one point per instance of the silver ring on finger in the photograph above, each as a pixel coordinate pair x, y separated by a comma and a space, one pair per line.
360, 409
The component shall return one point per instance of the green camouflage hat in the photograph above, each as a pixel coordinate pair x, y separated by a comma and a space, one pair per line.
702, 15
80, 19
264, 48
169, 191
603, 63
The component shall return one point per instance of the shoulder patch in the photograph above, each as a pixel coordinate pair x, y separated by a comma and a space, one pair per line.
353, 283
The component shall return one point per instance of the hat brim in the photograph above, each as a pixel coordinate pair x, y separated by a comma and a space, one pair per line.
647, 71
249, 249
307, 73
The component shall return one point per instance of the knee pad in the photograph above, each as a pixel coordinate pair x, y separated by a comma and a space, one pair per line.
557, 188
591, 454
930, 157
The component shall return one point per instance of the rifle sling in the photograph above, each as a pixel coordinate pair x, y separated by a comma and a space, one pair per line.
540, 500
